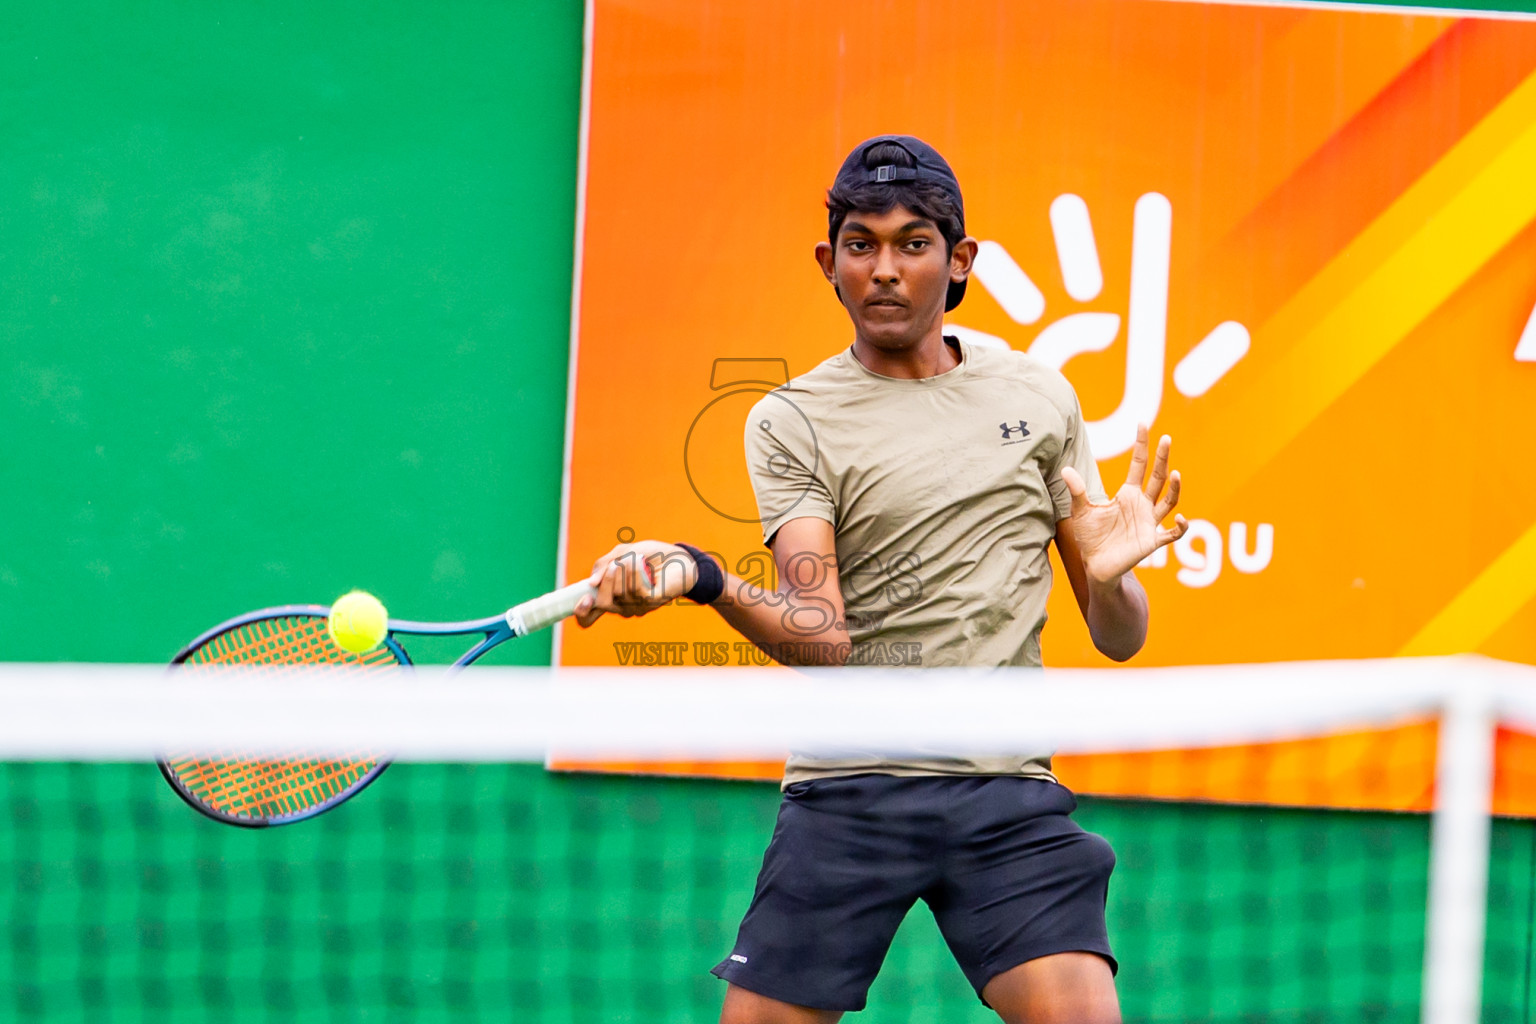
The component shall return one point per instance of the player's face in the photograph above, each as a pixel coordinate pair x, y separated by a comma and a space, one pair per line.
893, 274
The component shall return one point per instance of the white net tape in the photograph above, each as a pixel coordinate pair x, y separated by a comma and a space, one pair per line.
62, 711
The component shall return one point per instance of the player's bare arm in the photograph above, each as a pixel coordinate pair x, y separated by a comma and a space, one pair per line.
798, 623
1101, 544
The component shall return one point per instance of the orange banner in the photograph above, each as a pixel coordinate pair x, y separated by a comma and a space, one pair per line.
1341, 204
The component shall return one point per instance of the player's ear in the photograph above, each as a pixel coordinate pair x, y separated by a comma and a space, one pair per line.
962, 258
824, 259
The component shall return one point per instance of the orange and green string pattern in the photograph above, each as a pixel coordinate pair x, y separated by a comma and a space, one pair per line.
267, 789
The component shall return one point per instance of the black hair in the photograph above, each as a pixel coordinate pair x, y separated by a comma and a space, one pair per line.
924, 198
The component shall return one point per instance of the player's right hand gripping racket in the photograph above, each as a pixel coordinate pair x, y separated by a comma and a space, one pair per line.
255, 792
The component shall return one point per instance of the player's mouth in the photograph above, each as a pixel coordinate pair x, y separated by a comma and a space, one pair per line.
885, 302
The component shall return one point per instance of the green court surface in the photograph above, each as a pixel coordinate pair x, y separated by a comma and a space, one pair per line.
480, 893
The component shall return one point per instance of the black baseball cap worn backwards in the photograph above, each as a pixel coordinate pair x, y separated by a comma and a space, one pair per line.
928, 166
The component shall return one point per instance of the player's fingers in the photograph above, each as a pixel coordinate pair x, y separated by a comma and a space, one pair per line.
620, 587
1170, 500
634, 586
601, 566
620, 572
1159, 468
1180, 527
1076, 488
602, 601
589, 609
587, 612
624, 571
1138, 469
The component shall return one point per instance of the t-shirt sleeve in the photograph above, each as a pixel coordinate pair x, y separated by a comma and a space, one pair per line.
785, 465
1074, 453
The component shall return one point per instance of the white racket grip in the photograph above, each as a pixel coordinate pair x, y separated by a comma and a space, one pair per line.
534, 614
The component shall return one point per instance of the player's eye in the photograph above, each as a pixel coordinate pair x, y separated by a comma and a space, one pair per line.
857, 245
918, 244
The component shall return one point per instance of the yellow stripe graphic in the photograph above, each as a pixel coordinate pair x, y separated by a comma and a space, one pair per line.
1478, 612
1267, 93
1397, 272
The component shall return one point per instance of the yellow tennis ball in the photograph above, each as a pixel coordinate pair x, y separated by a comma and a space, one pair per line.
358, 622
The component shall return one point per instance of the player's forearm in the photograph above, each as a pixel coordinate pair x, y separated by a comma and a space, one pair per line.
792, 627
1117, 617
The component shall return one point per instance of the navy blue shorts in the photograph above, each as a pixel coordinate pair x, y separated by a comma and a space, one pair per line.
1008, 875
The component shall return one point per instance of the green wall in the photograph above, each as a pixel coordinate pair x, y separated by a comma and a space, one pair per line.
284, 302
284, 310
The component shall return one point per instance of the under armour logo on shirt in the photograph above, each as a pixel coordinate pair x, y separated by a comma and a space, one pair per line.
1008, 431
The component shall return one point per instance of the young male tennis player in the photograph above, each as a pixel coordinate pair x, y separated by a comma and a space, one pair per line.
909, 488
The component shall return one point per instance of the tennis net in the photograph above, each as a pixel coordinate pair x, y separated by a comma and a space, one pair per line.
1277, 856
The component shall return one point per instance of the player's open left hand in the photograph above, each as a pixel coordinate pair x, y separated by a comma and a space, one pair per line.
1116, 535
633, 579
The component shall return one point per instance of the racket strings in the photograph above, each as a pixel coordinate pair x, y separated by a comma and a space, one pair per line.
269, 789
242, 787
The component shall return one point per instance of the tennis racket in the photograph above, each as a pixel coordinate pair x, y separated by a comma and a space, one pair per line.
257, 792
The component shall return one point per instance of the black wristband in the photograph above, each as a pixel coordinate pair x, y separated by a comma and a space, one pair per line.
710, 582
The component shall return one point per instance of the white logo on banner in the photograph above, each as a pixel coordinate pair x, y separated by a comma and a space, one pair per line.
1091, 331
1200, 551
1204, 550
1525, 349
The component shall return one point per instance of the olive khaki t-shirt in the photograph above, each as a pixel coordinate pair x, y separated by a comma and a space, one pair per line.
944, 494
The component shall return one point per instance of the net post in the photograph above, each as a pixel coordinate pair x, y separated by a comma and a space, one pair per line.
1458, 854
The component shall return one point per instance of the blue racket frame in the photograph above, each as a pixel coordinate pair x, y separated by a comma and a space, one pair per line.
496, 630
